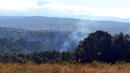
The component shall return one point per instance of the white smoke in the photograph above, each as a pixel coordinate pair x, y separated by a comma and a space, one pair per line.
83, 28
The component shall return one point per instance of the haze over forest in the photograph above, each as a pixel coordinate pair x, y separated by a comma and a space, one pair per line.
49, 33
64, 31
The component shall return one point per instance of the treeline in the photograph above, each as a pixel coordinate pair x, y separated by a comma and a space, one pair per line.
100, 46
37, 57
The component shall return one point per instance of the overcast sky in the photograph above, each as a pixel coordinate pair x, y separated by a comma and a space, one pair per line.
113, 8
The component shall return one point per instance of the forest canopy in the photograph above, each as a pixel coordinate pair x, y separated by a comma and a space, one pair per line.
100, 46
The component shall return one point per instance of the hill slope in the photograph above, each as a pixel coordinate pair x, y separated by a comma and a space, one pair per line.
62, 24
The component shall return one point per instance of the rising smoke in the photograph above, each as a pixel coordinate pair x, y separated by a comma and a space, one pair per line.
83, 28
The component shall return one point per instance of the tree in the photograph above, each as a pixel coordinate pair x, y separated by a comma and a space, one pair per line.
121, 47
95, 47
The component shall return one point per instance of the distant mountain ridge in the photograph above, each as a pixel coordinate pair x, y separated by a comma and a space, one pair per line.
61, 24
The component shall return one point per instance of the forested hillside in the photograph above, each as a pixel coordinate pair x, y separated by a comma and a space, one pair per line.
100, 46
45, 39
26, 41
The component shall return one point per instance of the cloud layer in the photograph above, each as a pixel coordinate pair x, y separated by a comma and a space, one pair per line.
55, 7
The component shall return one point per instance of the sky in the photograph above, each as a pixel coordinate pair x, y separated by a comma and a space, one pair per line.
66, 8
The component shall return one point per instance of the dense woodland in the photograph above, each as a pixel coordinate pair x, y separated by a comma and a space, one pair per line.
100, 46
25, 41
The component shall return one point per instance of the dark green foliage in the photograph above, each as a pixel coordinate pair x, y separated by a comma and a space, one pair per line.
25, 41
17, 46
67, 56
95, 47
101, 46
121, 47
37, 57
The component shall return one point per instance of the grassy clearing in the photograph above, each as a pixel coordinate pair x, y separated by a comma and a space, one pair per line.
64, 68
